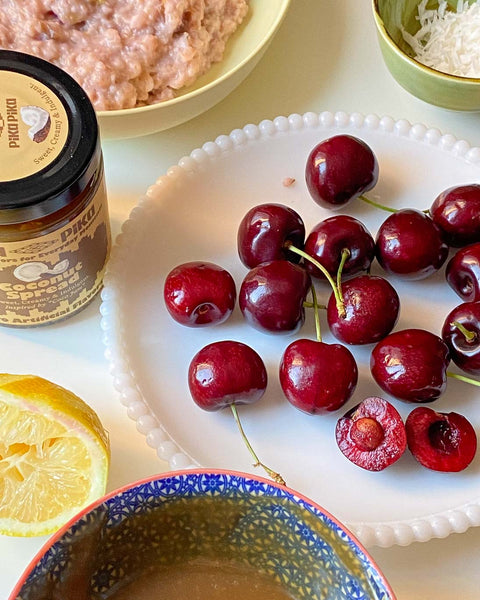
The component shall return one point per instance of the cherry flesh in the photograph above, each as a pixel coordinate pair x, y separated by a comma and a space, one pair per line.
264, 231
317, 377
457, 212
411, 365
409, 245
272, 297
461, 333
340, 169
198, 294
371, 306
225, 373
372, 434
329, 237
440, 441
463, 273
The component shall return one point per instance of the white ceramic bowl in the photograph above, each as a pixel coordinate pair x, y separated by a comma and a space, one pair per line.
243, 52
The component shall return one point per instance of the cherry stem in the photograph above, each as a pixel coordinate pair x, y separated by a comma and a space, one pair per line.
317, 316
343, 260
338, 298
383, 207
470, 336
463, 378
311, 305
274, 475
377, 204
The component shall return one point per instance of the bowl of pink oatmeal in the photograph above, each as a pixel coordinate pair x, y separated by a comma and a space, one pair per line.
146, 65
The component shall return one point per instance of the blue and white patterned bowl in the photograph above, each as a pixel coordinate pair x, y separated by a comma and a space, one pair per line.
254, 522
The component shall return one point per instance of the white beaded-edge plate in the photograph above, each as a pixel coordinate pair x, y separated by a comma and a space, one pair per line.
192, 213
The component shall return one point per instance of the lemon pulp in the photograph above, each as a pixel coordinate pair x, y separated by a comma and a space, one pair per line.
54, 455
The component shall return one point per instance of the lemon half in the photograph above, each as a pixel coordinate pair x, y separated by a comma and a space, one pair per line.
54, 455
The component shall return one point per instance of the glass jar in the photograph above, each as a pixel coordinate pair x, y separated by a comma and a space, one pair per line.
54, 225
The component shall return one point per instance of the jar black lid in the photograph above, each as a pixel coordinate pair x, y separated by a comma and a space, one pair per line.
56, 185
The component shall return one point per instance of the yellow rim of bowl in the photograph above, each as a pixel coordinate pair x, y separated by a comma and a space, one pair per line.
145, 109
409, 59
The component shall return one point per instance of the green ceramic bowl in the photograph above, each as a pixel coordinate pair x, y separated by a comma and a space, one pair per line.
434, 87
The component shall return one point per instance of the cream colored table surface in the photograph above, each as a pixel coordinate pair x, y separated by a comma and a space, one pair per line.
325, 57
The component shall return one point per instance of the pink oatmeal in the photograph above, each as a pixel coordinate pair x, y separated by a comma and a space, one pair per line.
124, 53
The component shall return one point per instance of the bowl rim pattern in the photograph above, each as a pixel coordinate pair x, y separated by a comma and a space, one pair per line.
202, 476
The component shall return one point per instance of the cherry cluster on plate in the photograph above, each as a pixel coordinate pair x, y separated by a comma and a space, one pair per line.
316, 377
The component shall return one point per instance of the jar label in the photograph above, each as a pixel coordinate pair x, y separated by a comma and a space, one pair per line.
47, 278
33, 126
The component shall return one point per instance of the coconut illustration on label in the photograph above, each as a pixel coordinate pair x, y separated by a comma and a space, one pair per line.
39, 121
33, 271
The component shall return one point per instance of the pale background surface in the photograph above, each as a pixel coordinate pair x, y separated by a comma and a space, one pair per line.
325, 57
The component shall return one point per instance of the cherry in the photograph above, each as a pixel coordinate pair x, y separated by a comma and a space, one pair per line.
317, 377
440, 441
461, 333
410, 245
272, 295
340, 169
372, 434
197, 294
411, 365
330, 237
457, 212
371, 307
227, 374
264, 231
463, 273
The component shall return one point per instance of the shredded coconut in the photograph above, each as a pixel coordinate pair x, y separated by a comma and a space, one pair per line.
448, 41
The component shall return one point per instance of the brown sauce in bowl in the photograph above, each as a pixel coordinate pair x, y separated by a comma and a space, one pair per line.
203, 579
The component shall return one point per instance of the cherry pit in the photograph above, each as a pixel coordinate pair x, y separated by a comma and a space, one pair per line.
285, 262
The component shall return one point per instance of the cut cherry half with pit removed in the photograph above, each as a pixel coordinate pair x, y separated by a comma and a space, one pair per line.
440, 441
372, 434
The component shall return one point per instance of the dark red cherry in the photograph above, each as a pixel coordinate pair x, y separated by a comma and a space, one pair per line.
440, 441
371, 307
461, 333
199, 293
271, 296
317, 377
411, 365
263, 232
457, 212
340, 169
372, 434
463, 273
225, 373
329, 237
410, 245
